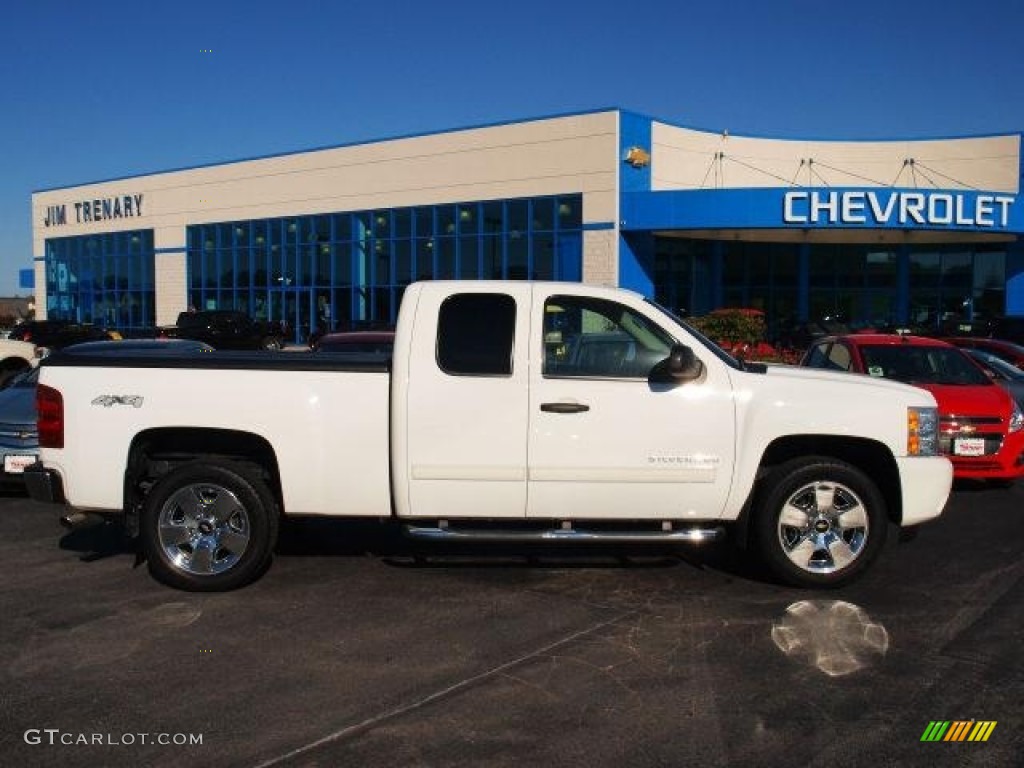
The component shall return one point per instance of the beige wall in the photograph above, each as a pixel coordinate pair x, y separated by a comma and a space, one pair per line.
686, 159
575, 154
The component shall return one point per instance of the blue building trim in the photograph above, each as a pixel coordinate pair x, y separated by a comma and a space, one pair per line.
636, 262
172, 249
597, 226
829, 208
634, 140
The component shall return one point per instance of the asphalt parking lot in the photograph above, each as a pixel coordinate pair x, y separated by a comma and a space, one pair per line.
354, 650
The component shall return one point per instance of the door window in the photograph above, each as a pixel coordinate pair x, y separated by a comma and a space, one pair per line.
595, 338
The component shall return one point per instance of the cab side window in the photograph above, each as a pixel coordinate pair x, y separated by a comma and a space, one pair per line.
476, 334
818, 356
595, 338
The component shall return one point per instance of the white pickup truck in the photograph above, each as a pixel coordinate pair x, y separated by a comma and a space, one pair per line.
510, 410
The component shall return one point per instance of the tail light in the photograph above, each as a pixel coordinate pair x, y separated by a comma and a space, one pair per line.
50, 410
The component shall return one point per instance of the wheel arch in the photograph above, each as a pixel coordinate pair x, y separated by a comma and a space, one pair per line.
155, 452
871, 456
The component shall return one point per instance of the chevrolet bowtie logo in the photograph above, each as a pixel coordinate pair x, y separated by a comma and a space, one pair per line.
638, 157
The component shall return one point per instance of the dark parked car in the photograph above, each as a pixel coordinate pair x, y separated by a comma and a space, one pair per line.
1006, 350
1001, 372
226, 329
56, 334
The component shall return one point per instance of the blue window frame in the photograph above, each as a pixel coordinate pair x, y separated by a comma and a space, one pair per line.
104, 279
349, 269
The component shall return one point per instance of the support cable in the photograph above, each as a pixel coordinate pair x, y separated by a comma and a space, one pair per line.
902, 169
947, 178
754, 168
711, 165
850, 173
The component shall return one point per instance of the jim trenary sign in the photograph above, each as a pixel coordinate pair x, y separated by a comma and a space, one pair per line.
878, 208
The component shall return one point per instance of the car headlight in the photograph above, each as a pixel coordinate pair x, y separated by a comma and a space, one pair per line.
1016, 419
923, 431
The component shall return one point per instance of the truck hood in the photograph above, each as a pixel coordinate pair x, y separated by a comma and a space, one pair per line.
839, 379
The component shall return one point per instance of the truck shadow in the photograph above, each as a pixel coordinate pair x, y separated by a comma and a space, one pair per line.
312, 537
97, 541
323, 537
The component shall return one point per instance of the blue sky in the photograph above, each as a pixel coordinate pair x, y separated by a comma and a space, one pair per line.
100, 89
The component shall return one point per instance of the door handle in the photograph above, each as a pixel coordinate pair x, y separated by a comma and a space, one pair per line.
564, 407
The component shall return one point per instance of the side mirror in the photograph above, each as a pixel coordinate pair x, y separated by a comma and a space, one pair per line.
679, 367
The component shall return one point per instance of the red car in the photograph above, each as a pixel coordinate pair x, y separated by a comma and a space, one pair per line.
1005, 350
981, 428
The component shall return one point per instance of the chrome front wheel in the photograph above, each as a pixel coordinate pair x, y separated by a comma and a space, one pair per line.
819, 522
823, 527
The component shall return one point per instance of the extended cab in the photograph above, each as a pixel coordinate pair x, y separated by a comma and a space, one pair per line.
510, 410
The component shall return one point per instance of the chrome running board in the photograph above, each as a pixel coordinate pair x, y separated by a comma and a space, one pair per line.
568, 534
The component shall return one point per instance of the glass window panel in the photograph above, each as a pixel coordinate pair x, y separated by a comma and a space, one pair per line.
308, 262
469, 219
446, 219
382, 255
323, 263
242, 233
469, 258
382, 223
403, 262
403, 222
518, 251
491, 258
424, 259
342, 224
543, 258
518, 216
491, 215
424, 220
445, 258
570, 212
543, 214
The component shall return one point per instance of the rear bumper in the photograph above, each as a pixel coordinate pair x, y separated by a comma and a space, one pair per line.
926, 483
44, 484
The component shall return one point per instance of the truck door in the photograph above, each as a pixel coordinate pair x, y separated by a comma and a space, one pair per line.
605, 441
466, 411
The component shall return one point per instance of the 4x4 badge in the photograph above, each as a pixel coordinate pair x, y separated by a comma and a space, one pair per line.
135, 401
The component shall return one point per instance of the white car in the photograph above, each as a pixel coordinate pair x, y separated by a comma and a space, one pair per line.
15, 356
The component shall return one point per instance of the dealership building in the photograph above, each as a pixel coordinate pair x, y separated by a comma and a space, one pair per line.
905, 231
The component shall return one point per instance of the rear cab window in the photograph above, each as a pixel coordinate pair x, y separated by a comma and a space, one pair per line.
476, 334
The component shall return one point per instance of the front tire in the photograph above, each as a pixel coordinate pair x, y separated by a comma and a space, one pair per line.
209, 527
819, 522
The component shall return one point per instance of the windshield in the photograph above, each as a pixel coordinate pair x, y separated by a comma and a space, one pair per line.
720, 353
997, 364
922, 365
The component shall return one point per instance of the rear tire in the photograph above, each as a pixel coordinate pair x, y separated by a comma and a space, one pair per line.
819, 522
209, 527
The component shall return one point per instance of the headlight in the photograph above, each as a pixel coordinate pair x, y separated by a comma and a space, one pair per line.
1016, 419
923, 431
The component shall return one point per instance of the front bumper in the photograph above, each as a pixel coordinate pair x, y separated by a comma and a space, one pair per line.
44, 484
1005, 464
926, 483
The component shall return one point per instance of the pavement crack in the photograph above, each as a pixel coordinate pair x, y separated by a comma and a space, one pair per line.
469, 682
